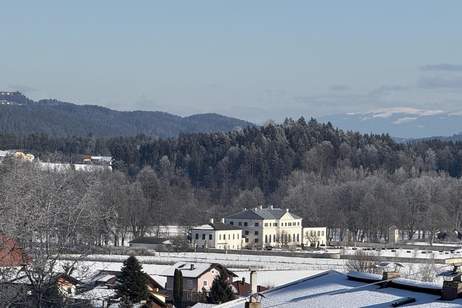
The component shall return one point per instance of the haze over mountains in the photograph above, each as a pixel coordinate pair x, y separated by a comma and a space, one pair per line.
20, 115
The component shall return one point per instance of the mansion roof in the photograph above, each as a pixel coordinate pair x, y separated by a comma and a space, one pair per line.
261, 213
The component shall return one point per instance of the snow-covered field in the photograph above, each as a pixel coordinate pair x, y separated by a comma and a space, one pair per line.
407, 253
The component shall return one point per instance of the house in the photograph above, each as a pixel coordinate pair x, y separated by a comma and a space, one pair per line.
315, 236
335, 289
269, 226
216, 235
197, 277
100, 290
149, 242
11, 254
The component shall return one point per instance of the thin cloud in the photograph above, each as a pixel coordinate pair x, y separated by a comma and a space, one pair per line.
339, 87
440, 83
443, 67
387, 89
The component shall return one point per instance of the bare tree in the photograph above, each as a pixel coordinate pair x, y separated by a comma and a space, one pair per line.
48, 214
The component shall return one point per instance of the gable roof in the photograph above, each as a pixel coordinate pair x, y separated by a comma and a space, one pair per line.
194, 270
261, 213
332, 288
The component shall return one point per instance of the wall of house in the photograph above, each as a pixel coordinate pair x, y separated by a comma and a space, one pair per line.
205, 281
228, 239
252, 231
290, 230
202, 238
315, 236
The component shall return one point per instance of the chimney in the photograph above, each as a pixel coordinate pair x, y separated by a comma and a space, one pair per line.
222, 220
287, 210
253, 281
191, 267
261, 207
212, 220
452, 284
452, 288
271, 207
386, 275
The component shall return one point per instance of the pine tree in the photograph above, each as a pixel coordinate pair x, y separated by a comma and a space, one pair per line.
178, 288
131, 283
221, 291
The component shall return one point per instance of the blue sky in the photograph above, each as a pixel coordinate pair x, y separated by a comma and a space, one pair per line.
255, 60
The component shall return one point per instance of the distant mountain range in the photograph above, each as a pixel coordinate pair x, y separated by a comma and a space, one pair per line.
406, 123
21, 115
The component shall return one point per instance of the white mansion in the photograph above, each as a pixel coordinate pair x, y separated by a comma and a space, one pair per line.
258, 228
269, 226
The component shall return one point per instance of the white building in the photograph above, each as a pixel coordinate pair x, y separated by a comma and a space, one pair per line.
315, 236
269, 226
216, 235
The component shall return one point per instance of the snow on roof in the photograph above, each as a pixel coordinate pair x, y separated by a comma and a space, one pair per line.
331, 288
218, 226
99, 293
189, 270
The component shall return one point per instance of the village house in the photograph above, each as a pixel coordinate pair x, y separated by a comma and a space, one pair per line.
150, 242
100, 290
264, 227
197, 277
216, 235
315, 236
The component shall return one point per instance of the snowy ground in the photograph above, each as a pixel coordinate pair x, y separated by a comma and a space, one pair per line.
431, 253
272, 270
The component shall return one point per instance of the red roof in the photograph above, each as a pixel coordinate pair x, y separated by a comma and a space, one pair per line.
11, 254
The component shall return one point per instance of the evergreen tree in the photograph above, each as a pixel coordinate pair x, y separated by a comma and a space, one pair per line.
178, 288
131, 283
221, 291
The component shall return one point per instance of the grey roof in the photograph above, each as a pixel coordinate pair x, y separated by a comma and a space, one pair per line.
148, 240
222, 226
334, 289
261, 213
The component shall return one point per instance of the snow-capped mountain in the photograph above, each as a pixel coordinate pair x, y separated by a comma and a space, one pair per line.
402, 122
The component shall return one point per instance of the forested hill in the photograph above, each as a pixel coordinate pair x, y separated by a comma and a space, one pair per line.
22, 116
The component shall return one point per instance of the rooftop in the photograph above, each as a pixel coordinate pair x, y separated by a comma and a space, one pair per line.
262, 213
216, 226
331, 288
150, 240
192, 270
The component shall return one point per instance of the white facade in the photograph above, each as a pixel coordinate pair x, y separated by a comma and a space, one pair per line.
263, 227
216, 235
315, 236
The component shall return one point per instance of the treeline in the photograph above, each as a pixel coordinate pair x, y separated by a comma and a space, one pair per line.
345, 180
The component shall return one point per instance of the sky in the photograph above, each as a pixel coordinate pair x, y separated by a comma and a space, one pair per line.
255, 60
